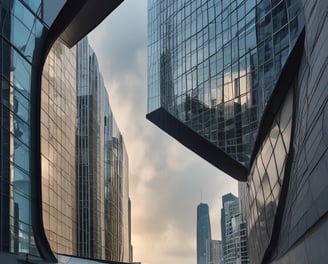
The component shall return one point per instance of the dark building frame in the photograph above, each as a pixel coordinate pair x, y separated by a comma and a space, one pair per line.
76, 19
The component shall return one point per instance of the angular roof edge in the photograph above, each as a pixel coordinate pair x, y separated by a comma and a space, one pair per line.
198, 144
83, 16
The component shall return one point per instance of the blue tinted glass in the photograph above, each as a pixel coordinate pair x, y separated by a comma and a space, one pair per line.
21, 155
22, 74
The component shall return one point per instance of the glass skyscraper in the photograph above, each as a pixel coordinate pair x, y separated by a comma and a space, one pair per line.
212, 68
203, 232
214, 254
233, 231
102, 168
58, 128
36, 175
243, 84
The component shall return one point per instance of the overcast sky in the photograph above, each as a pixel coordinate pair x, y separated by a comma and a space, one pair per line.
166, 179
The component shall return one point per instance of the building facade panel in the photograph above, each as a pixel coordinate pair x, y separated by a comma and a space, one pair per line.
213, 64
305, 216
102, 168
58, 128
265, 180
233, 231
22, 30
27, 31
214, 253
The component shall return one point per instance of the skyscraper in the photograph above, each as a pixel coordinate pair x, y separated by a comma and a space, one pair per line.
203, 232
248, 93
214, 253
102, 168
58, 128
233, 231
212, 66
28, 31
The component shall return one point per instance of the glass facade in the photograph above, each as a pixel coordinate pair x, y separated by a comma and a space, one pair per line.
266, 178
203, 232
233, 231
37, 128
213, 64
214, 254
117, 213
22, 30
58, 127
102, 168
90, 155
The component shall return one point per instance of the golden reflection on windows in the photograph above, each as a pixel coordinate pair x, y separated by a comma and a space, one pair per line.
58, 124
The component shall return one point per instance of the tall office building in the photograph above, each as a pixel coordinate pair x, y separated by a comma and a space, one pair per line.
103, 230
214, 253
58, 128
242, 84
203, 232
233, 231
28, 31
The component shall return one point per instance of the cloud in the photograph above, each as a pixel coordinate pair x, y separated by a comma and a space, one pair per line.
166, 179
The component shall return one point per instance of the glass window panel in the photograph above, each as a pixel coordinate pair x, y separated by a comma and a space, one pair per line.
21, 155
22, 106
256, 177
251, 41
263, 7
22, 74
279, 16
21, 181
272, 171
280, 154
23, 206
266, 151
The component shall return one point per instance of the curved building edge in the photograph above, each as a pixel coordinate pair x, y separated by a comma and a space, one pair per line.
66, 25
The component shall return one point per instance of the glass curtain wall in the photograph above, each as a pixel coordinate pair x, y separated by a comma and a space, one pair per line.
213, 64
23, 26
58, 128
102, 168
266, 178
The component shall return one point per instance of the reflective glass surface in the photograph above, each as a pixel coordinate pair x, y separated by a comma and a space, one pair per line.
58, 127
103, 230
21, 29
213, 64
234, 231
265, 181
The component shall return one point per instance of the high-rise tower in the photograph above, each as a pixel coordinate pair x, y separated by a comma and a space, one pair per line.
233, 231
203, 232
102, 168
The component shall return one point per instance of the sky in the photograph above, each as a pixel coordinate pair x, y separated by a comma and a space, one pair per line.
167, 181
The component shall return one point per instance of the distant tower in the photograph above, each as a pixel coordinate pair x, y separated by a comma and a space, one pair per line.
214, 252
233, 229
203, 232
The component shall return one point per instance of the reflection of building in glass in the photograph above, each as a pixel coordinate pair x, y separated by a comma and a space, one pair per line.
214, 254
280, 143
203, 232
224, 56
58, 127
102, 168
28, 31
234, 231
